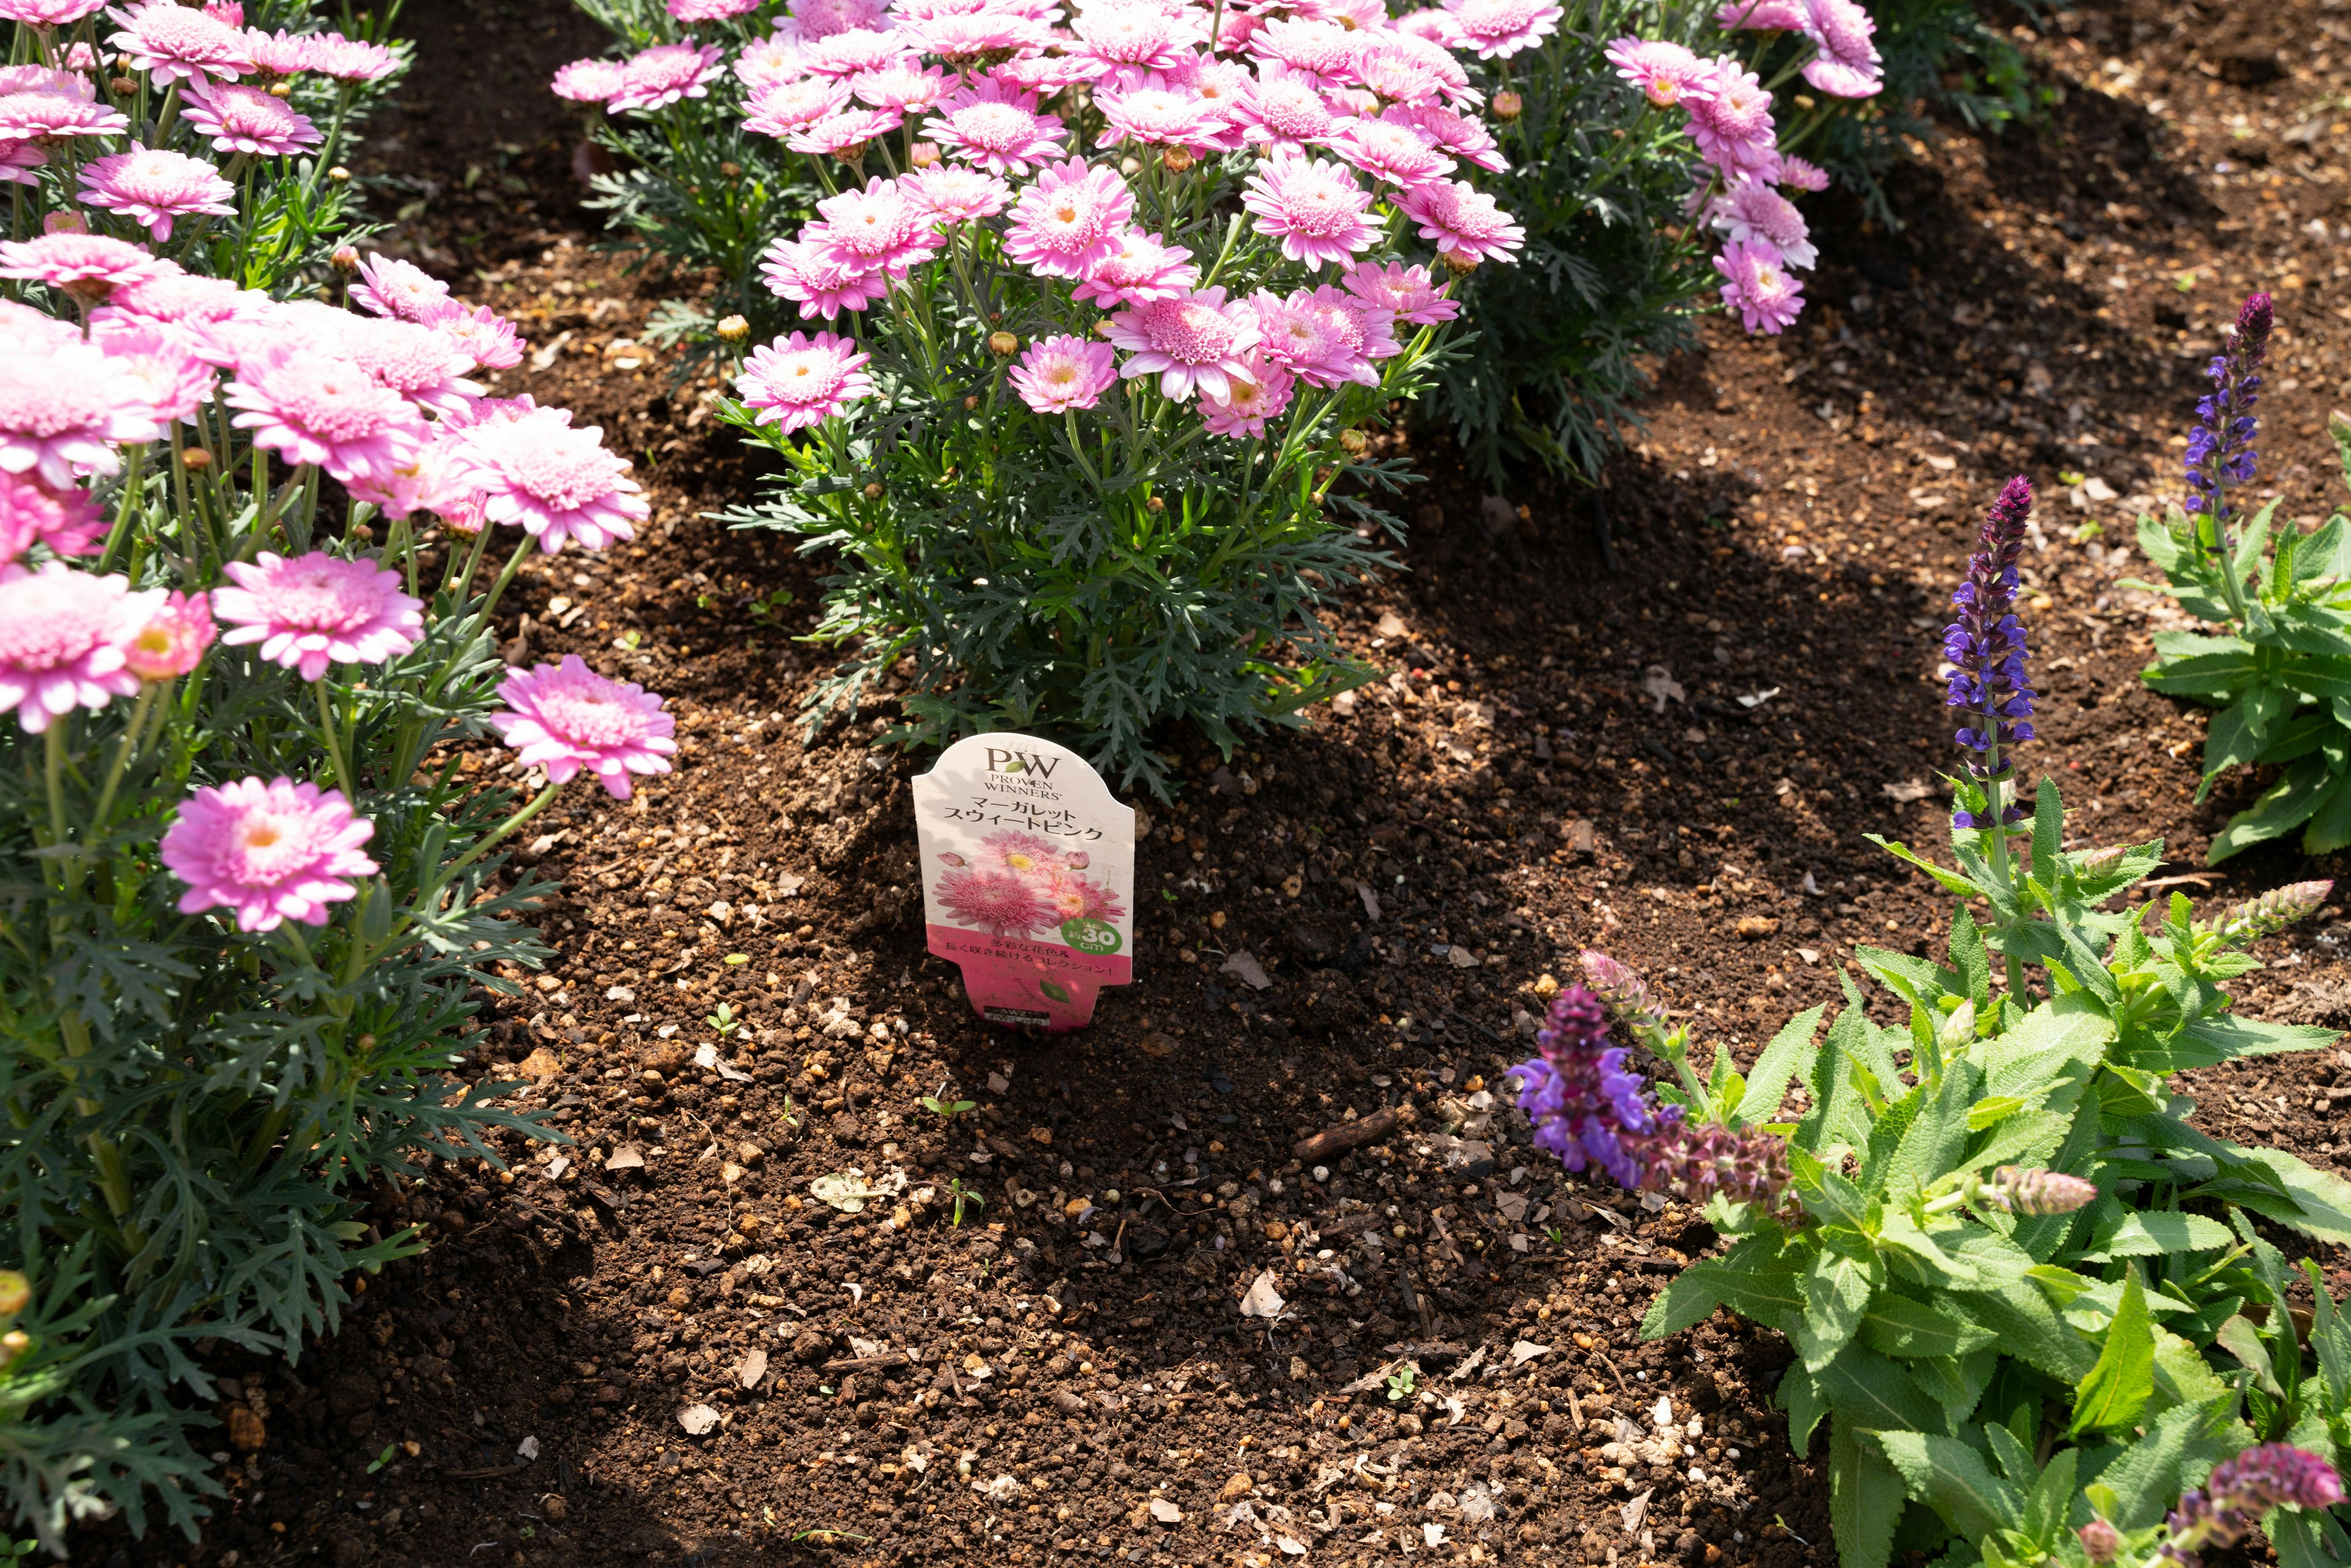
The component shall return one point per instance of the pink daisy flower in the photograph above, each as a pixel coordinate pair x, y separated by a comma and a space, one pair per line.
88, 267
1248, 404
817, 19
487, 339
64, 407
903, 86
1047, 73
70, 521
171, 643
240, 118
1314, 208
1219, 85
955, 193
1667, 73
17, 161
1848, 64
402, 290
62, 639
318, 610
589, 82
665, 74
174, 44
996, 129
227, 13
343, 60
696, 11
155, 186
1732, 122
39, 107
801, 380
1324, 338
1023, 854
1458, 134
1064, 372
1160, 117
853, 52
279, 54
564, 717
1404, 67
878, 228
769, 61
997, 902
1070, 218
1752, 210
1286, 112
970, 41
1397, 153
1132, 33
1801, 175
558, 482
1497, 29
844, 135
421, 363
1759, 286
1144, 268
171, 379
1074, 897
1407, 292
46, 14
1323, 50
203, 311
779, 108
798, 271
309, 407
273, 852
1466, 224
1760, 15
1196, 342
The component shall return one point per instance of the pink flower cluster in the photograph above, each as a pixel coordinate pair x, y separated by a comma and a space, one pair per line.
1021, 883
1729, 122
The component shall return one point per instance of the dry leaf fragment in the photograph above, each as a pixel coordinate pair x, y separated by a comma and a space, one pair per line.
1262, 1300
1165, 1512
697, 1419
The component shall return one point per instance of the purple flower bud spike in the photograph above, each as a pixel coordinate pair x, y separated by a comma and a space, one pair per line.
2272, 912
2239, 1492
1986, 648
2220, 448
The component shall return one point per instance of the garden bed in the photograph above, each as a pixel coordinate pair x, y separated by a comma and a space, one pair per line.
1562, 759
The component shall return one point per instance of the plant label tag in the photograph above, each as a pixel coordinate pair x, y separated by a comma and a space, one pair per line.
1028, 878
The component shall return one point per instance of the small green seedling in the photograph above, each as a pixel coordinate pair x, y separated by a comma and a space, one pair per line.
763, 608
945, 1109
1402, 1382
723, 1020
964, 1195
790, 1115
383, 1459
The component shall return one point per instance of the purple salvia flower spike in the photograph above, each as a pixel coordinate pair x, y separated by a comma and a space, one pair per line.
1986, 648
2221, 454
2240, 1490
2272, 912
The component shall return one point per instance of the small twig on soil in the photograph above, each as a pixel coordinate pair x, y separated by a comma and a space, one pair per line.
1349, 1134
2199, 879
487, 1475
1415, 1300
1575, 1406
1613, 1372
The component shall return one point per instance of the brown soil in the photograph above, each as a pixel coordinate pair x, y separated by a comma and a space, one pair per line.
1561, 765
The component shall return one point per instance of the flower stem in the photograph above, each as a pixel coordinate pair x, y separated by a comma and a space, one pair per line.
334, 743
505, 830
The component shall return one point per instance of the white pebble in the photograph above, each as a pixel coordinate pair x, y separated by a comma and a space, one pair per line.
1322, 1173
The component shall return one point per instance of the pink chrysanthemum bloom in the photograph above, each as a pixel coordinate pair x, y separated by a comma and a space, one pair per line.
1731, 121
996, 129
280, 53
1324, 338
343, 60
1314, 208
1404, 67
1070, 219
1195, 343
1397, 153
173, 381
240, 118
1466, 224
781, 108
1075, 897
696, 11
18, 160
1407, 292
1248, 404
955, 193
62, 637
1760, 15
845, 135
487, 339
903, 86
878, 228
1324, 50
421, 363
70, 522
853, 52
1497, 29
801, 380
564, 717
273, 852
1219, 87
1064, 372
1288, 112
46, 14
1048, 73
769, 61
558, 482
309, 407
589, 82
46, 78
1144, 268
318, 610
798, 271
1022, 855
171, 643
1134, 33
156, 186
203, 311
1798, 175
1668, 74
64, 407
428, 482
402, 290
817, 19
172, 43
47, 113
227, 13
88, 267
665, 74
1458, 134
997, 902
1752, 210
1759, 286
1160, 117
969, 42
1849, 65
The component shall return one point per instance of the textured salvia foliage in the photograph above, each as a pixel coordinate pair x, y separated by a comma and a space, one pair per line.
2275, 596
251, 895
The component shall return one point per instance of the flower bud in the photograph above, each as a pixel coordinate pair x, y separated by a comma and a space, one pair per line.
195, 459
2022, 1191
1509, 105
14, 1343
1177, 160
339, 175
873, 491
1953, 1032
2100, 1541
1622, 991
281, 89
1155, 506
971, 402
923, 154
16, 1293
2272, 912
346, 259
1354, 442
123, 86
731, 169
64, 224
1003, 345
1130, 166
1459, 265
733, 329
2098, 863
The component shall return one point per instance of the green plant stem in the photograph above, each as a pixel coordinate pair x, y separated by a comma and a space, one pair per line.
132, 742
504, 830
332, 736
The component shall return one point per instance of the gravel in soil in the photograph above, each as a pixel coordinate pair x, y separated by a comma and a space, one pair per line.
656, 1344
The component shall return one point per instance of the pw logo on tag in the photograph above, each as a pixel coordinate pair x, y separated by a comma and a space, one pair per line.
1028, 878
